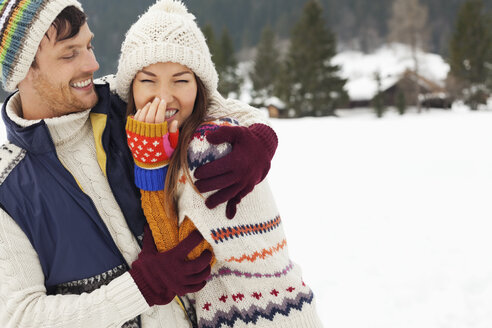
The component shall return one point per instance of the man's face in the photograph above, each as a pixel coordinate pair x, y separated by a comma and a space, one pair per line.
62, 80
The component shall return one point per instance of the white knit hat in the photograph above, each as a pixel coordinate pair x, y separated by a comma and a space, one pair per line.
167, 32
23, 25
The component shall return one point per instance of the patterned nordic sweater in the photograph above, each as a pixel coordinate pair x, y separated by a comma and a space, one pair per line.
253, 282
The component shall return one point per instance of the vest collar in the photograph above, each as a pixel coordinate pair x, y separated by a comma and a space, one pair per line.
36, 137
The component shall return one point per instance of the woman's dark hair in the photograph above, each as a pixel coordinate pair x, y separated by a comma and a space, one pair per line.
179, 160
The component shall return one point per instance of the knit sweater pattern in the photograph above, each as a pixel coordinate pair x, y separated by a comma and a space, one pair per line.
254, 282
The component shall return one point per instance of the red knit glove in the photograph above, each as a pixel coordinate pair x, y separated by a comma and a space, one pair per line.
237, 173
151, 144
162, 276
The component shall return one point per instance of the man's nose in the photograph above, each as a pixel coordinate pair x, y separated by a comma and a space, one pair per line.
90, 63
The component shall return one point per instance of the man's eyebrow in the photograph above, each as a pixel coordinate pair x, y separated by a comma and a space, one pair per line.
72, 46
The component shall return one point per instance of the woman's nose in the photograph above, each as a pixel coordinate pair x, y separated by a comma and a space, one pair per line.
166, 94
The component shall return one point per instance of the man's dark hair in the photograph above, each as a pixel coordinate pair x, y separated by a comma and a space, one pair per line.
67, 25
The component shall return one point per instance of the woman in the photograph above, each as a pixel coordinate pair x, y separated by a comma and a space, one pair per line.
166, 73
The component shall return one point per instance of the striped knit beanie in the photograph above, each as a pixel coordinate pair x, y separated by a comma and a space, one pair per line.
23, 25
167, 32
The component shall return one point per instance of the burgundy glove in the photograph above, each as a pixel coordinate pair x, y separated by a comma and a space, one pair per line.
237, 173
162, 276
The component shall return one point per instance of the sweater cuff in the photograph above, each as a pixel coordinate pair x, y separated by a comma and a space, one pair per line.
150, 180
127, 298
267, 135
146, 129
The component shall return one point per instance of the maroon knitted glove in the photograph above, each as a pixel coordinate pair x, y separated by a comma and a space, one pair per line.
237, 173
162, 276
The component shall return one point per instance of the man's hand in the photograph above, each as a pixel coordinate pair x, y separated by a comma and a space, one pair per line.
237, 173
161, 276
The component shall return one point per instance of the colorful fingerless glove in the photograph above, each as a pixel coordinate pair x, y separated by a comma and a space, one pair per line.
151, 146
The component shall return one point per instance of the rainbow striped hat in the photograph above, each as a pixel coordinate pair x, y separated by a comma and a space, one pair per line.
23, 24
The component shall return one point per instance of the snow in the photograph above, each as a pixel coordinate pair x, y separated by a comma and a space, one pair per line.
390, 61
390, 218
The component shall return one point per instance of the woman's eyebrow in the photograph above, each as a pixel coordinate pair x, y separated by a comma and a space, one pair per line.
148, 73
181, 73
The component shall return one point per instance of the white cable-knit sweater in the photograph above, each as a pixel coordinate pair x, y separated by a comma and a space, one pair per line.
23, 298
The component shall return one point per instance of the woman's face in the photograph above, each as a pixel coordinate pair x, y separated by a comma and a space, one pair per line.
171, 82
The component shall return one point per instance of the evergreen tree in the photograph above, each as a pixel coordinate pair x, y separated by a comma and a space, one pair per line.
209, 34
266, 67
224, 60
378, 101
229, 81
470, 53
401, 103
309, 83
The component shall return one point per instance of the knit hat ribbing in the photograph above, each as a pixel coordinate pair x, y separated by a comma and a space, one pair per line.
23, 24
167, 32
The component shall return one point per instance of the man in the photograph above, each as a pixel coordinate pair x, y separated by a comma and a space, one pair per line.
70, 218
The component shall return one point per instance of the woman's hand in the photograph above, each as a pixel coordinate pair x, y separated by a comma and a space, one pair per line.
155, 112
173, 128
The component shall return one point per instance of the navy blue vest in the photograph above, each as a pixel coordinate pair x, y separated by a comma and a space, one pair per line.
59, 219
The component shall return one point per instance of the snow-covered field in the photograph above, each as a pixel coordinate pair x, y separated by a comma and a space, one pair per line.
390, 219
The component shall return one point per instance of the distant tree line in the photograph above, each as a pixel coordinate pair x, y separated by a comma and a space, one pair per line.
358, 24
302, 76
309, 85
304, 79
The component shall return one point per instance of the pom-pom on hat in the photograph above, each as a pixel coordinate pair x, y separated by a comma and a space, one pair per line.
167, 32
23, 25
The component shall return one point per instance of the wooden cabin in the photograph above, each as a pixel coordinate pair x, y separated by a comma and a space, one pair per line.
431, 93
